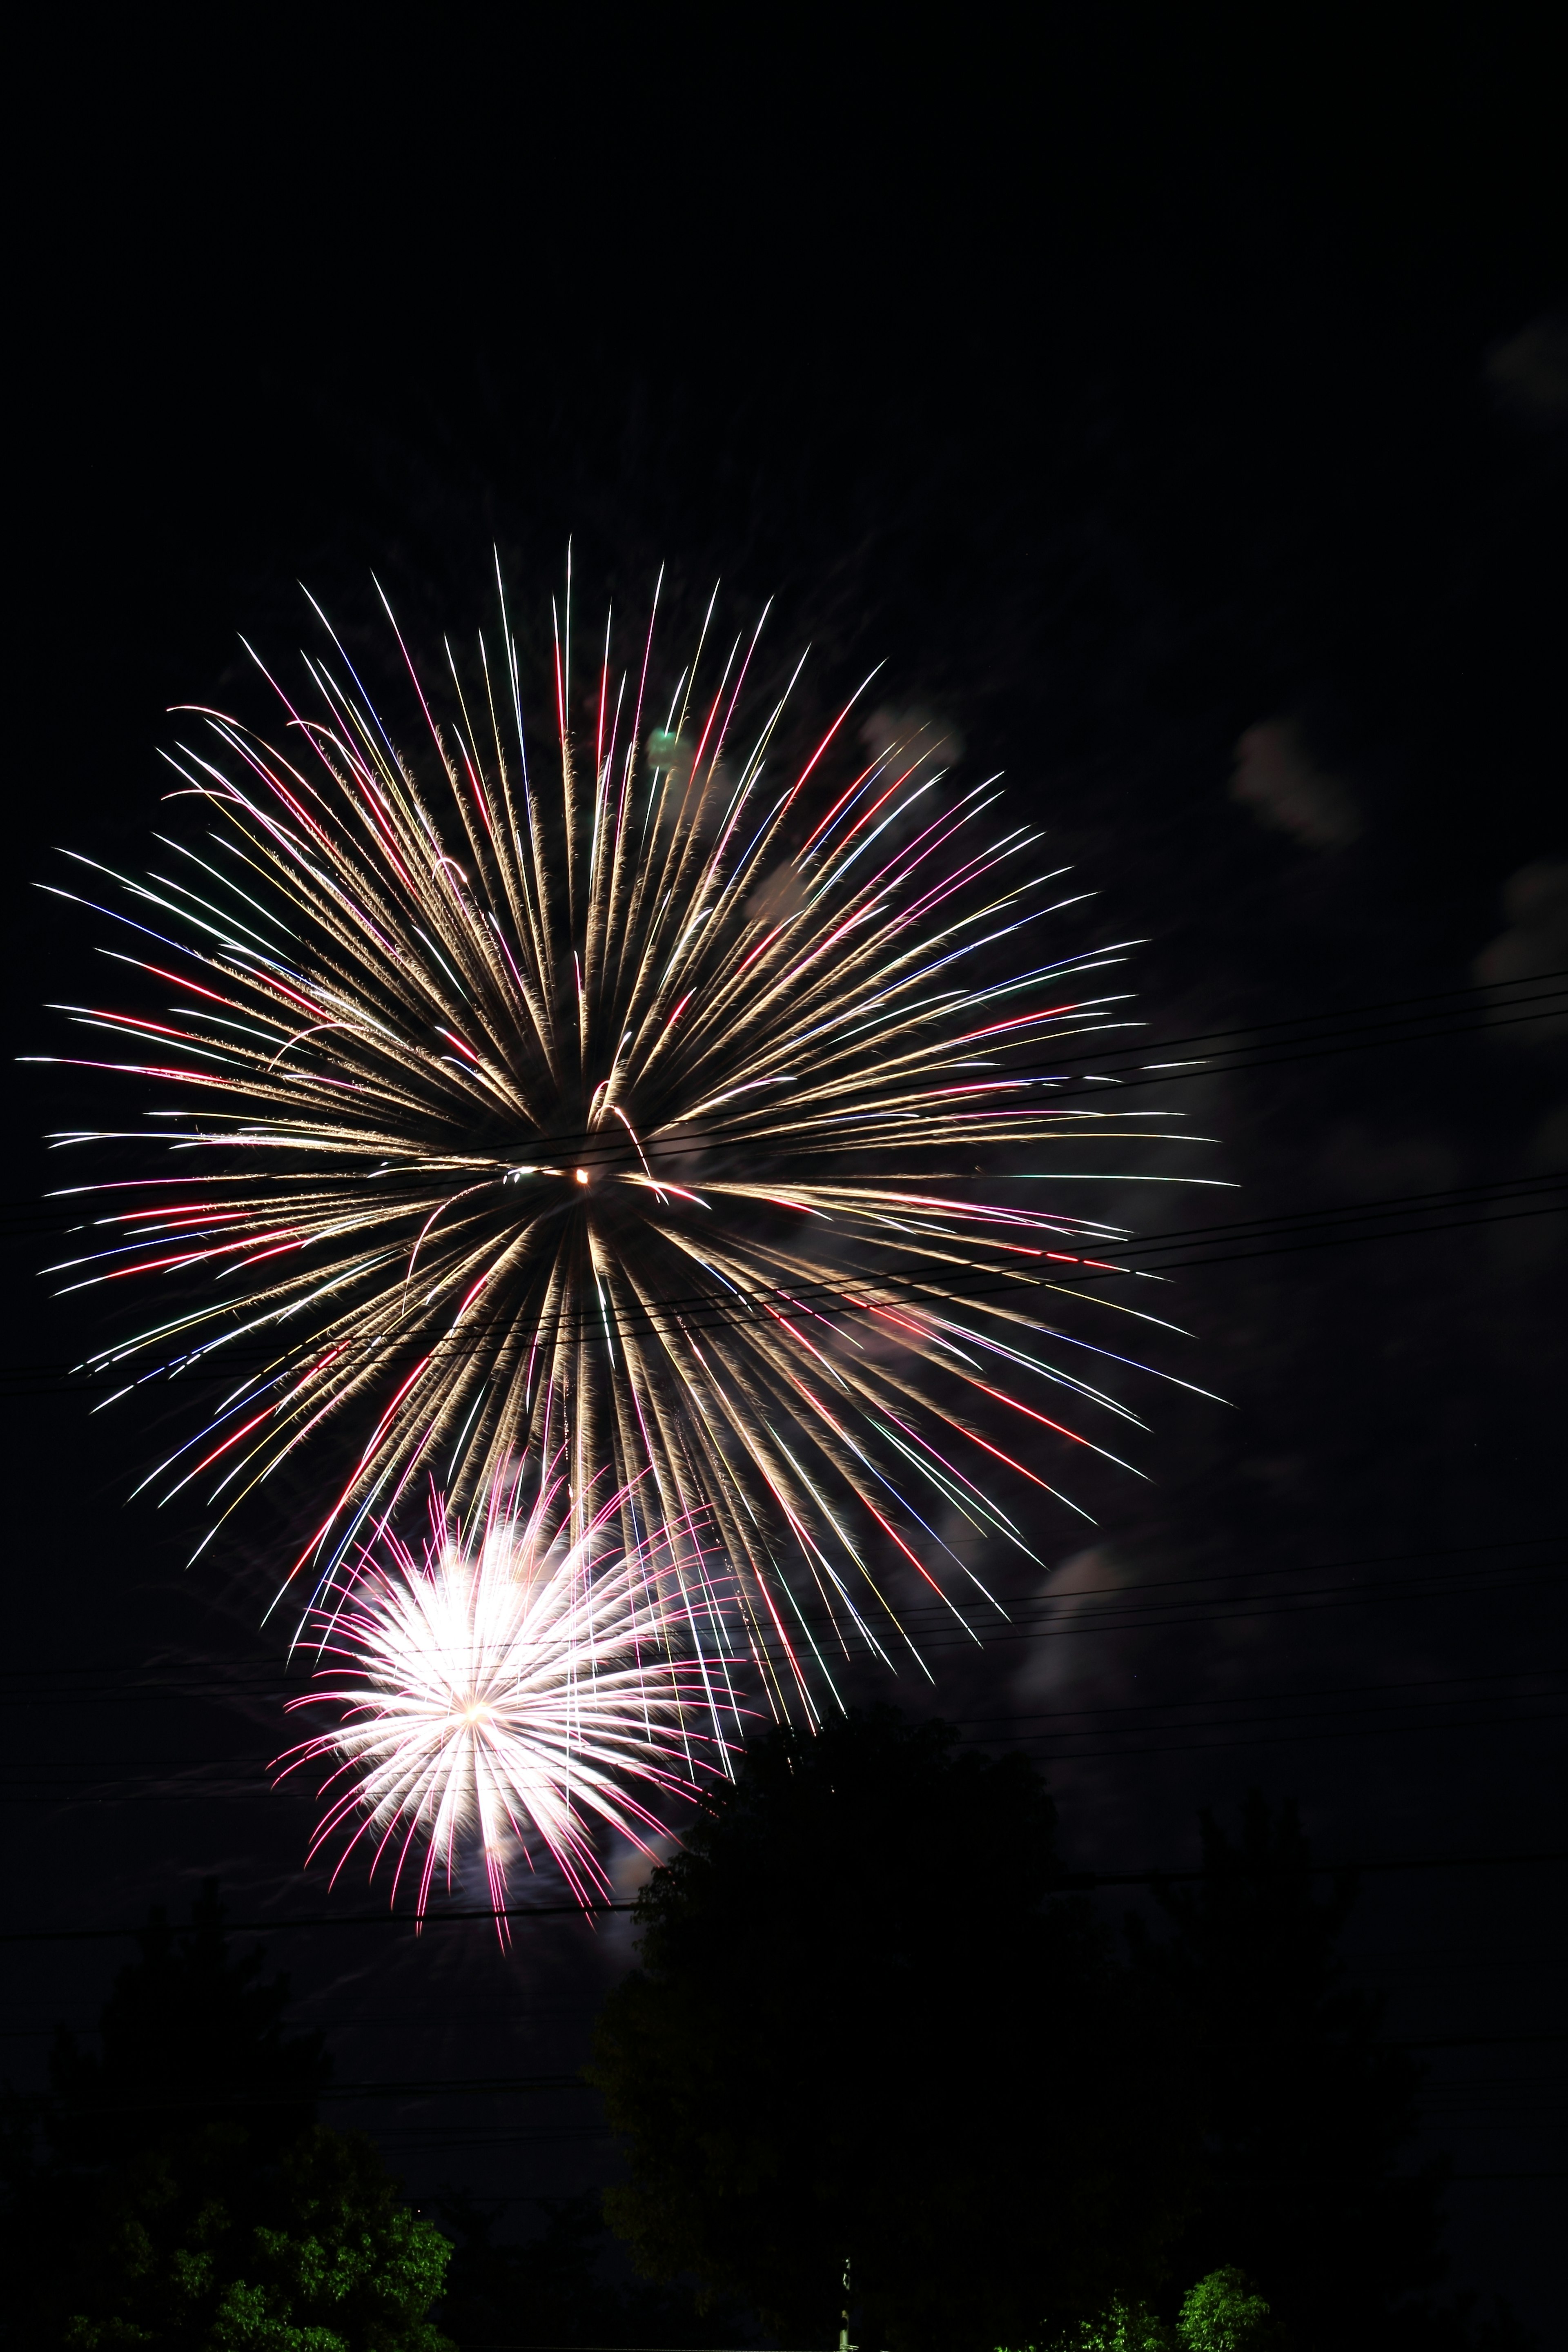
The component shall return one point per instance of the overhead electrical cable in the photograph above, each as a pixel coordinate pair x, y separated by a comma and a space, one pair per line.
1399, 1217
1067, 1881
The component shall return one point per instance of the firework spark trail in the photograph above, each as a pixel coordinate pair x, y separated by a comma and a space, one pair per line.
637, 1091
511, 1683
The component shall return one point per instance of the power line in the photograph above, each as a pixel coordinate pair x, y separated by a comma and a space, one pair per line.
1035, 1627
123, 1790
1282, 1224
1067, 1882
590, 1148
1453, 2176
422, 2086
452, 2086
1481, 2042
323, 1920
1035, 1620
1193, 1745
1187, 1740
1085, 1622
1101, 1621
117, 1792
1368, 1691
835, 1297
1258, 1698
418, 2086
1486, 1005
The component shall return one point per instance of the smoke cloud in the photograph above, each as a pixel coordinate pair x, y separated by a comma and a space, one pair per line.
1277, 778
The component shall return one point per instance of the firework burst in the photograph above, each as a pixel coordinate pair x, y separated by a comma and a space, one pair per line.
634, 1082
507, 1686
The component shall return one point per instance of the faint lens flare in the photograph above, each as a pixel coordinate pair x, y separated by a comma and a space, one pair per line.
507, 1690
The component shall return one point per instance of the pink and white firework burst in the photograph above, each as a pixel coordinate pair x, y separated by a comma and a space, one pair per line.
630, 1077
507, 1689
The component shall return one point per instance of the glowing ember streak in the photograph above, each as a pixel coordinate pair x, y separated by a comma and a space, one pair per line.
586, 1078
510, 1686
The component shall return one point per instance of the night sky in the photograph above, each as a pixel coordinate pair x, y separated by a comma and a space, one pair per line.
1185, 428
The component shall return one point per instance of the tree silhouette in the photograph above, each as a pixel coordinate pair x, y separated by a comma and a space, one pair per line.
1303, 2107
173, 2189
563, 2285
190, 2037
863, 2026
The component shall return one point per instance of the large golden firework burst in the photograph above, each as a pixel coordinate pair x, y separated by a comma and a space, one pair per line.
633, 1087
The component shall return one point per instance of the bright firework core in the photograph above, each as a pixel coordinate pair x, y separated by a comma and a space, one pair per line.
507, 1688
803, 1258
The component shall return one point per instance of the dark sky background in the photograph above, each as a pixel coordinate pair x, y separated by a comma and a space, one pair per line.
1185, 425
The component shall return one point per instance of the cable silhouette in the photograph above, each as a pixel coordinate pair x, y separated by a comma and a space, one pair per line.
1067, 1881
1486, 1002
1105, 1608
1396, 1217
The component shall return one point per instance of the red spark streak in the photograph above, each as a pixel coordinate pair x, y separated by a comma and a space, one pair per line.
265, 1416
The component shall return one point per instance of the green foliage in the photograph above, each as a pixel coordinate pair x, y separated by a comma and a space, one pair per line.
1222, 2313
340, 2265
194, 2250
861, 2026
172, 2191
1123, 2327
